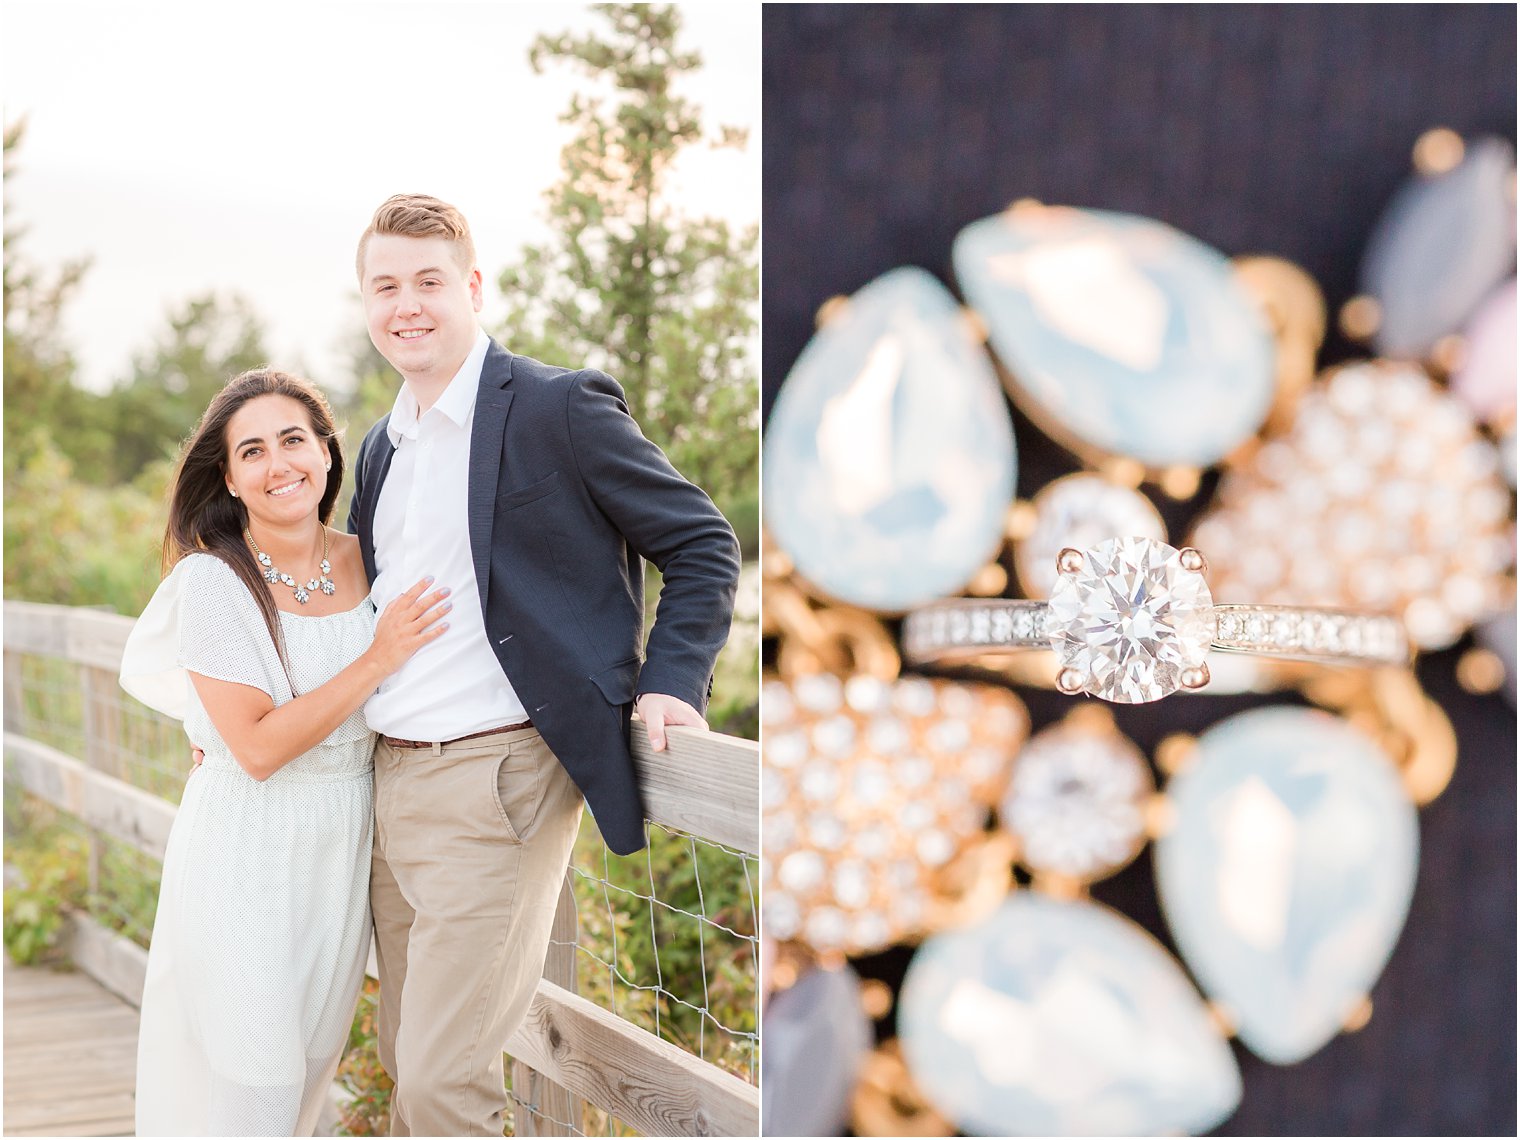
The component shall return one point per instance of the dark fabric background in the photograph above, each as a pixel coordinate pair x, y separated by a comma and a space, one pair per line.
1281, 130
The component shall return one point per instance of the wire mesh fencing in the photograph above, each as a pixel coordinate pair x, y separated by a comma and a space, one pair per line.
666, 939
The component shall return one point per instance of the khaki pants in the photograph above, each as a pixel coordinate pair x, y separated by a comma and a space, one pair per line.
472, 842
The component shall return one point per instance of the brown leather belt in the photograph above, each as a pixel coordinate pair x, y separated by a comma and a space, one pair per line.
397, 742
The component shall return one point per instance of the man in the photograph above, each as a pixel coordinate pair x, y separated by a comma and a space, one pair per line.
529, 491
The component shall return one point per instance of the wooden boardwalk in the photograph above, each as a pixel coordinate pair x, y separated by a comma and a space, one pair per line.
70, 1056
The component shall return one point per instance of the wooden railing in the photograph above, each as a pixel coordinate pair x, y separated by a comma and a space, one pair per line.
569, 1049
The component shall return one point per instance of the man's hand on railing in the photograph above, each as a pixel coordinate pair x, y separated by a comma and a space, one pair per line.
657, 710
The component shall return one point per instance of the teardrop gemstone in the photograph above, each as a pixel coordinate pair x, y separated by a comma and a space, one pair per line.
1441, 245
889, 454
1287, 875
1485, 382
1120, 331
1054, 1018
816, 1039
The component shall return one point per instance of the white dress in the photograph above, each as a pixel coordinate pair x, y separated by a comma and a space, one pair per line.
263, 922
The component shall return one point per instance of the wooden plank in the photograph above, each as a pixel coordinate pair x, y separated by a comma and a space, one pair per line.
66, 1078
704, 783
83, 636
649, 1084
97, 638
71, 1065
559, 1111
104, 1007
34, 628
119, 1126
138, 818
117, 963
80, 1110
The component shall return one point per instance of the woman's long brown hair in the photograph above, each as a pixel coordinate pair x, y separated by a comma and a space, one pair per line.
204, 518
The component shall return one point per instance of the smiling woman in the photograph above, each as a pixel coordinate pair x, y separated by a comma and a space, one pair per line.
251, 980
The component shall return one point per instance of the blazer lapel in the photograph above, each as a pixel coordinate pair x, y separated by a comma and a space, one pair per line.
377, 465
491, 404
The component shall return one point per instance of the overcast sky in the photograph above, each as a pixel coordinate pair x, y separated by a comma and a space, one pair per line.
243, 147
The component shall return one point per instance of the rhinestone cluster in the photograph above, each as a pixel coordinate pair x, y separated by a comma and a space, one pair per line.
1076, 803
275, 576
869, 788
1391, 501
1079, 511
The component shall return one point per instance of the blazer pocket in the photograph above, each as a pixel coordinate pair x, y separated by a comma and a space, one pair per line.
618, 682
529, 494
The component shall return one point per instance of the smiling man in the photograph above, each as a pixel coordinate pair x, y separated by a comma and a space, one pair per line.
530, 491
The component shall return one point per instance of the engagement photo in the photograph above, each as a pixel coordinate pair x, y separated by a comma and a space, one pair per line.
381, 635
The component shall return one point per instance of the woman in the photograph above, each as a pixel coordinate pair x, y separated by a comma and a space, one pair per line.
263, 640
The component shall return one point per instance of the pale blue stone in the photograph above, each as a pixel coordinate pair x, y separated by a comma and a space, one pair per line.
1054, 1018
889, 456
1441, 245
1130, 336
1287, 874
1497, 635
816, 1038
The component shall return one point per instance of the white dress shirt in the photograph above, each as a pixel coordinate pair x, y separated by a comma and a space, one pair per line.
453, 685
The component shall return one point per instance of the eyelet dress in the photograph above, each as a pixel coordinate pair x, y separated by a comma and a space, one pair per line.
263, 922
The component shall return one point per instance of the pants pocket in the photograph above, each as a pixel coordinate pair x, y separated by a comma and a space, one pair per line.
517, 787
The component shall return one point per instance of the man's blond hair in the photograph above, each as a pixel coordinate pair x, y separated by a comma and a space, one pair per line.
419, 216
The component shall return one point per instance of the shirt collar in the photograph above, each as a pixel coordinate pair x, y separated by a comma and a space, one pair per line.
457, 404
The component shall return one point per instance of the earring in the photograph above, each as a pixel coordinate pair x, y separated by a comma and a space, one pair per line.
231, 492
329, 466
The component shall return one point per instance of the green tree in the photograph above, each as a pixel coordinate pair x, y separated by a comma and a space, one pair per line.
40, 396
626, 282
208, 340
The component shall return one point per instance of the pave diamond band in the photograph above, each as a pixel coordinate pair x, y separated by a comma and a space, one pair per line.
1132, 620
968, 627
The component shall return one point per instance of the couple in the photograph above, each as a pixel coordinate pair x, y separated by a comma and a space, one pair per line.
429, 764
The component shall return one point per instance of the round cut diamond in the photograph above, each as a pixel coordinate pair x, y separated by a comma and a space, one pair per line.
1131, 619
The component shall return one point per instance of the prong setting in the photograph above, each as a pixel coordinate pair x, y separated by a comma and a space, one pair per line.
1069, 561
1071, 681
1195, 678
1192, 560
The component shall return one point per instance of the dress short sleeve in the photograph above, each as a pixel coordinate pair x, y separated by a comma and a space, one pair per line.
201, 619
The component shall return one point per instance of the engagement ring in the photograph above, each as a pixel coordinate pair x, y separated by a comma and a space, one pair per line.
1132, 620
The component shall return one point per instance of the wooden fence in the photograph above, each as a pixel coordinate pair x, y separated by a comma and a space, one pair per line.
568, 1049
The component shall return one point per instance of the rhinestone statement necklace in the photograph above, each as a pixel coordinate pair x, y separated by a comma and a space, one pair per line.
273, 574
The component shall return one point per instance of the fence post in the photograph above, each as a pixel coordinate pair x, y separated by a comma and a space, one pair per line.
559, 1113
15, 707
102, 732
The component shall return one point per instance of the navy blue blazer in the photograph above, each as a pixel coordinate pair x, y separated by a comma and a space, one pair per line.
566, 499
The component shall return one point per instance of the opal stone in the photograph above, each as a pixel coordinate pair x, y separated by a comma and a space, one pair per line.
1052, 1018
1486, 380
889, 454
1441, 245
1122, 332
816, 1038
1287, 875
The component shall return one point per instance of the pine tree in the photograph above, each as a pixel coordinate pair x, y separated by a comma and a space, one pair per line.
627, 282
